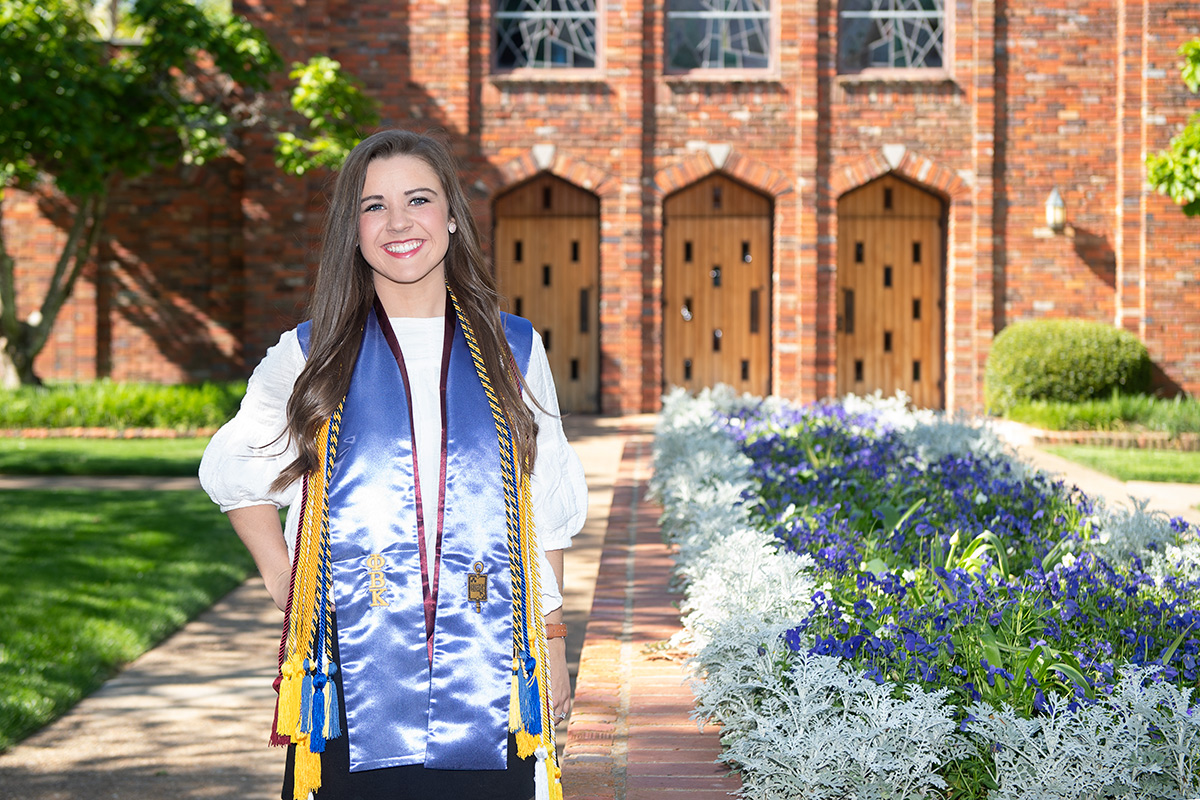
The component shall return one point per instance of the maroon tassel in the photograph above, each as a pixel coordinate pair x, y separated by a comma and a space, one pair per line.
277, 739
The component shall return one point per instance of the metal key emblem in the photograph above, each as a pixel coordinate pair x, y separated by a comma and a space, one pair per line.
477, 587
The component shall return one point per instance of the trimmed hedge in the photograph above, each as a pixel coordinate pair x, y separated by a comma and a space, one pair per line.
109, 404
1063, 359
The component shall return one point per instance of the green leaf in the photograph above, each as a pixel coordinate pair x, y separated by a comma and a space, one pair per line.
991, 648
1164, 658
1069, 671
337, 112
983, 543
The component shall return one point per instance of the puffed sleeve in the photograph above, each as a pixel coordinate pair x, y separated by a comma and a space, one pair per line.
250, 450
558, 484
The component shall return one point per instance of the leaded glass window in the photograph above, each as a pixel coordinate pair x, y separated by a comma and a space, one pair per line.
718, 34
890, 34
545, 34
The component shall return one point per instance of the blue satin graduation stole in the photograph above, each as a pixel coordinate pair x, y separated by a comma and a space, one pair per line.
410, 698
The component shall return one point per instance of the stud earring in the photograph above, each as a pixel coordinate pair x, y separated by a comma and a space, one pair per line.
453, 226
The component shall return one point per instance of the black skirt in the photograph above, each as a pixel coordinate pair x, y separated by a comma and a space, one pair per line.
413, 782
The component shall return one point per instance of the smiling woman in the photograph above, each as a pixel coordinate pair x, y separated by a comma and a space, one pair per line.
413, 430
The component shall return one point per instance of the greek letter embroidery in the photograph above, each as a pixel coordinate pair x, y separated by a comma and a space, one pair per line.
477, 587
376, 585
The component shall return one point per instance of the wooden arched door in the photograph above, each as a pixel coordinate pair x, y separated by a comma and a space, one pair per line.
547, 246
890, 301
717, 287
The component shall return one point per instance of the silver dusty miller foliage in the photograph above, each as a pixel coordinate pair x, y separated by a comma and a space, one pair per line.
1139, 742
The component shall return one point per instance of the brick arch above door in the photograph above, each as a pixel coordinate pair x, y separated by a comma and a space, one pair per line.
717, 158
904, 162
547, 158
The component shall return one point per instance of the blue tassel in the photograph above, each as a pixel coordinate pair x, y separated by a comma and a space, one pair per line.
317, 736
334, 716
531, 699
306, 693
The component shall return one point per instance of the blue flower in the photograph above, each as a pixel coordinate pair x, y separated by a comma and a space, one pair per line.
1070, 609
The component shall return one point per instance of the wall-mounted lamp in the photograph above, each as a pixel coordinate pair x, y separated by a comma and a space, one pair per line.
1056, 212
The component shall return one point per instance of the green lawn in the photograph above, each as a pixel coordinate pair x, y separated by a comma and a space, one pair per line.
89, 580
64, 456
1130, 464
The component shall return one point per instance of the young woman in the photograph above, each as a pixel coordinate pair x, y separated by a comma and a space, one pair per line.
412, 430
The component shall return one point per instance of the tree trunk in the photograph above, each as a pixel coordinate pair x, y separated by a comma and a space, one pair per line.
16, 363
9, 327
8, 371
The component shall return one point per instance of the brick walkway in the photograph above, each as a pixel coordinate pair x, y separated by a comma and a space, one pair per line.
630, 735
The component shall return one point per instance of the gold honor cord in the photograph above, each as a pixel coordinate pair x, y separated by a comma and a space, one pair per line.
300, 661
528, 628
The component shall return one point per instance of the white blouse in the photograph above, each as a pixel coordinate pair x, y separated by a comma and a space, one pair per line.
248, 452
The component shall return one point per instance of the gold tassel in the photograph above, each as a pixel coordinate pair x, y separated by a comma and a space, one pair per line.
307, 770
304, 591
514, 701
289, 696
527, 743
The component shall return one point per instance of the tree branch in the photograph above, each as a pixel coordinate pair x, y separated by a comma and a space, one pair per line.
70, 265
69, 252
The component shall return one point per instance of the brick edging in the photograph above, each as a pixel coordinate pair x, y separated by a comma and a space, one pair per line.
103, 433
631, 736
1144, 440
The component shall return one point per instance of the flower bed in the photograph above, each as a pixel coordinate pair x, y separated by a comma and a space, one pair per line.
886, 604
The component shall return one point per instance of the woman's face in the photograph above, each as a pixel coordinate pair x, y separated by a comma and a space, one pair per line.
403, 232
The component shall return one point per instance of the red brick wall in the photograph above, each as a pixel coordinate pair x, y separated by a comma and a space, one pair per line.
1075, 77
1166, 242
1034, 96
1058, 130
163, 300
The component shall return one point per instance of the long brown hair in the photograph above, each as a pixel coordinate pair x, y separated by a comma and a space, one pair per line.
343, 293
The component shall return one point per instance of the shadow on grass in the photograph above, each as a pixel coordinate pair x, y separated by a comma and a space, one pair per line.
141, 457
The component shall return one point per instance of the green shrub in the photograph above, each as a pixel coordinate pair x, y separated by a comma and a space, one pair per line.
108, 404
1063, 359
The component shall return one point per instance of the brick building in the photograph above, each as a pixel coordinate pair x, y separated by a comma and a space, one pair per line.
807, 197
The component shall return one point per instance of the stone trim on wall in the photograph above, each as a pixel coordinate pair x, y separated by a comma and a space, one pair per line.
902, 161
